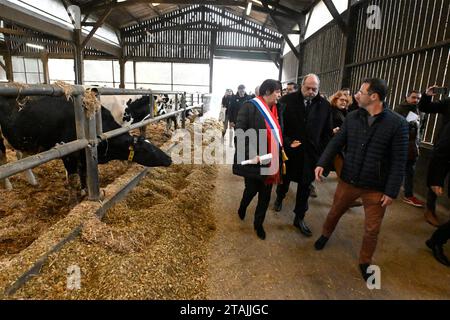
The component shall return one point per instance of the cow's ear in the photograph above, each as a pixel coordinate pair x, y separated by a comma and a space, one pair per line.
129, 102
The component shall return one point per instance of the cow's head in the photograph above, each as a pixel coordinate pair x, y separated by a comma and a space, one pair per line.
138, 109
134, 149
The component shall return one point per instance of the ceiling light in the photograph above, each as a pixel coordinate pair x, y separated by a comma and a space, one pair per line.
121, 0
249, 8
35, 46
155, 4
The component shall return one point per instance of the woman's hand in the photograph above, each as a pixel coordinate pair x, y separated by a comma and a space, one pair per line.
336, 130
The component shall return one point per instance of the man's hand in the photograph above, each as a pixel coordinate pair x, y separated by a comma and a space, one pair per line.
319, 174
295, 144
430, 92
386, 201
336, 130
439, 191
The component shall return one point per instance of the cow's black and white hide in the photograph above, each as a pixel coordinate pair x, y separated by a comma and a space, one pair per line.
164, 105
3, 160
44, 122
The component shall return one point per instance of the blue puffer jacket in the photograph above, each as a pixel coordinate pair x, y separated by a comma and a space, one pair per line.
375, 157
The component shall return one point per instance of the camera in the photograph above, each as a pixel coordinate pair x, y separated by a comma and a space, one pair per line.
440, 90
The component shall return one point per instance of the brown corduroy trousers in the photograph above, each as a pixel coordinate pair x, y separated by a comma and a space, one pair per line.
374, 213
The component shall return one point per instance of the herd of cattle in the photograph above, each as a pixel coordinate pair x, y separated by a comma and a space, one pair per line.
44, 122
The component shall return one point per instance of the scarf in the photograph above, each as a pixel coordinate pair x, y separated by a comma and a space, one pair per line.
274, 136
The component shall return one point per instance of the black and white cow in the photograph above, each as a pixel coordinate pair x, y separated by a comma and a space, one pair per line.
44, 122
3, 160
164, 105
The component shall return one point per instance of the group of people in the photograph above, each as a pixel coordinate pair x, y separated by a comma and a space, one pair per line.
372, 148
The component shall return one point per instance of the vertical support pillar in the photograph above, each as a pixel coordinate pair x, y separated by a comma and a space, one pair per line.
211, 59
134, 74
183, 106
86, 128
347, 46
9, 67
44, 59
280, 71
122, 73
78, 51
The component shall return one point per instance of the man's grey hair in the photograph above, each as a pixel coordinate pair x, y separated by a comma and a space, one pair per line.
310, 75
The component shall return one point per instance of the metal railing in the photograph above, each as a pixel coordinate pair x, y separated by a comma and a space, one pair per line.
88, 130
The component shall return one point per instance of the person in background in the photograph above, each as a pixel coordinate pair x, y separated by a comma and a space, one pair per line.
376, 144
226, 105
438, 170
258, 115
354, 105
441, 107
291, 87
409, 110
236, 103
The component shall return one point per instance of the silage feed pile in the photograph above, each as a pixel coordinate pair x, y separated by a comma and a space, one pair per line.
152, 245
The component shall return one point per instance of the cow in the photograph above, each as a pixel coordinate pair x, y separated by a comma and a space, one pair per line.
128, 109
164, 105
28, 173
45, 122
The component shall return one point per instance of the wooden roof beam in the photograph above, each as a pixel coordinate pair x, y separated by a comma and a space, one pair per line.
335, 13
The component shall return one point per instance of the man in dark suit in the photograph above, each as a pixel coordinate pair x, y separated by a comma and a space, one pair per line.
307, 128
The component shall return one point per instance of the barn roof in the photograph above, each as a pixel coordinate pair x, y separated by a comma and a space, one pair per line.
126, 13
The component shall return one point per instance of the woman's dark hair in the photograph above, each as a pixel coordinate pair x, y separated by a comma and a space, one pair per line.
378, 86
269, 86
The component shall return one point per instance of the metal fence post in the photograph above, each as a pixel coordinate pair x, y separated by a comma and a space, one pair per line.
87, 128
183, 105
98, 123
152, 106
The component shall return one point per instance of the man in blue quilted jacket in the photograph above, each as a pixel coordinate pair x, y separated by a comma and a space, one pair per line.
376, 146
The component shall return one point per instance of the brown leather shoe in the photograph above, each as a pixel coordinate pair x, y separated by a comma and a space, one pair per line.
431, 218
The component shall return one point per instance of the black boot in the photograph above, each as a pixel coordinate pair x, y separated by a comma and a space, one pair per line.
438, 252
278, 205
320, 243
260, 232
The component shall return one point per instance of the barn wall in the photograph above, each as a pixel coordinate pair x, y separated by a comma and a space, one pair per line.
290, 68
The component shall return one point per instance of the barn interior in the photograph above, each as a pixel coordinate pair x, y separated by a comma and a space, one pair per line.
191, 47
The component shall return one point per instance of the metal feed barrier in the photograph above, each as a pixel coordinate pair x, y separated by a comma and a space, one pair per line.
89, 130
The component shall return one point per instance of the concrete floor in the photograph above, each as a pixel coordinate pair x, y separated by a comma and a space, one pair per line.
285, 266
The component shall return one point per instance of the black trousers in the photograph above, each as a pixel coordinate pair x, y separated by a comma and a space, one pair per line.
253, 187
442, 234
301, 199
431, 200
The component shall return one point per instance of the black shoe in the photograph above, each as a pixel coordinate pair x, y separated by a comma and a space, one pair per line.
363, 268
301, 225
320, 243
438, 253
278, 205
260, 232
241, 214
